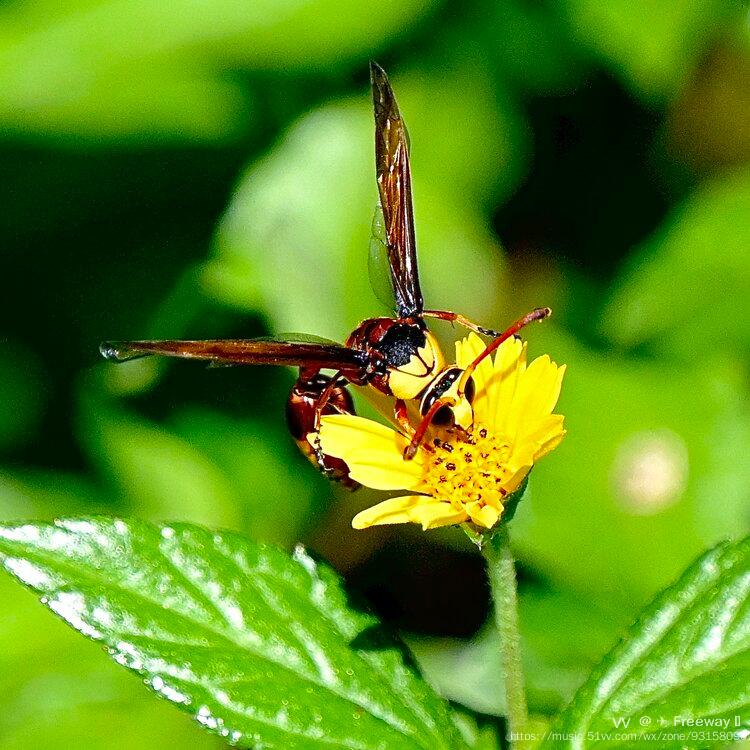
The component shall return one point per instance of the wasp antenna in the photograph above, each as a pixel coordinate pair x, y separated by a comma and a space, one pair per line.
118, 351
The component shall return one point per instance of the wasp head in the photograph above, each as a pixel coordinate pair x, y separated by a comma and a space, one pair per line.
458, 411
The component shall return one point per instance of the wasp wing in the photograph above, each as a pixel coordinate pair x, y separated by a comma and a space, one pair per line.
289, 338
316, 354
394, 185
378, 263
298, 338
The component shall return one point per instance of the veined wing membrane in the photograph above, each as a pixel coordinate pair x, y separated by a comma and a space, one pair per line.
378, 263
242, 352
394, 185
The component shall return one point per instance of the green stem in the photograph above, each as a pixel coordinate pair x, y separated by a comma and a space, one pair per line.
502, 574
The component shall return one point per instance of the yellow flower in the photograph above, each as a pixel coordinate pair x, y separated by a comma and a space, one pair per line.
456, 475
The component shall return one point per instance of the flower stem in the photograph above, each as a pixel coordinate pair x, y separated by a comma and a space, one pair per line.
502, 574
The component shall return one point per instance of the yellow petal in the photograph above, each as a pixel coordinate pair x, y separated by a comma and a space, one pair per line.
467, 350
535, 396
438, 515
551, 443
509, 365
548, 389
514, 482
539, 438
493, 498
373, 452
555, 392
422, 509
483, 515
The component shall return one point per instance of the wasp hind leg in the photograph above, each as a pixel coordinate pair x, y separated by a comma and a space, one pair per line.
325, 403
462, 320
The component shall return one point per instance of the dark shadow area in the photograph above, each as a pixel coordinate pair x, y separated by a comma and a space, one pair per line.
592, 192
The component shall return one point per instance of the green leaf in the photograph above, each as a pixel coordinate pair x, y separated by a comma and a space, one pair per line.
484, 736
108, 70
687, 659
278, 491
60, 693
261, 648
40, 493
154, 469
142, 106
268, 34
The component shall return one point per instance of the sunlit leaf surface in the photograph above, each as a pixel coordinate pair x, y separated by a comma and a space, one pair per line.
60, 692
259, 647
687, 656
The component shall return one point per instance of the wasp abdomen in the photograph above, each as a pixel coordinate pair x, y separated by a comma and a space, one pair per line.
302, 410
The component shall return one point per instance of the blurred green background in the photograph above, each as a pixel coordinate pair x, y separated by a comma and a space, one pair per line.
205, 169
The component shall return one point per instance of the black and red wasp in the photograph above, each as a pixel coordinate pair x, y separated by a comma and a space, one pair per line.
397, 356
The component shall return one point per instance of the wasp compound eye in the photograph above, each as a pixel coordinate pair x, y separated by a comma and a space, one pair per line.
470, 390
443, 417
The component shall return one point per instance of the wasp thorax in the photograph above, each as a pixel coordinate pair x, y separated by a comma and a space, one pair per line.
457, 410
401, 342
408, 380
410, 354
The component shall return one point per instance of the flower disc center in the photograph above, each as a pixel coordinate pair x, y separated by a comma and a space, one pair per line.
468, 467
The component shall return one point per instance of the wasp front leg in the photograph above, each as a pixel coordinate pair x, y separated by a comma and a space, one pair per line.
401, 415
419, 434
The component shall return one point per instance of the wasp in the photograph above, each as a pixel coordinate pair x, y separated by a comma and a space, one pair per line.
398, 356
